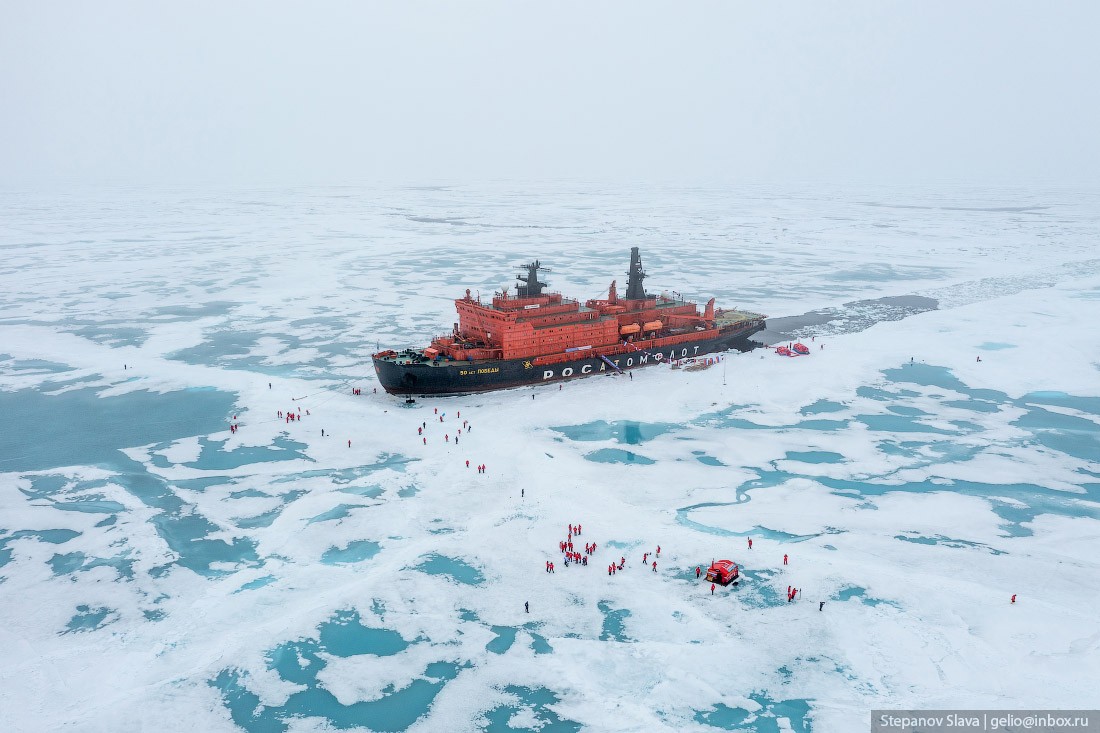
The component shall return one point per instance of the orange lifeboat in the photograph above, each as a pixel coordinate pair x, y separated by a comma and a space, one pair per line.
629, 329
653, 326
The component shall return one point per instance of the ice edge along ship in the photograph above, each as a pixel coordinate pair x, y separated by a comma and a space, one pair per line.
536, 337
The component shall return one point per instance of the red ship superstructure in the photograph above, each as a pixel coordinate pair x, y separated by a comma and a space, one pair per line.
535, 336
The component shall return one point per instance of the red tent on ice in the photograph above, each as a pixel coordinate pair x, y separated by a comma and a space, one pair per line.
723, 572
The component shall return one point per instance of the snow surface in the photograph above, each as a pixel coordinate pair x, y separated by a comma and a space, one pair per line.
160, 572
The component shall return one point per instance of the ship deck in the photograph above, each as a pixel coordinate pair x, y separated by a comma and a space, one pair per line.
734, 316
412, 356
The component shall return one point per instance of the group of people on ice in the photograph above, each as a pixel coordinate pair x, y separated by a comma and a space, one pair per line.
422, 432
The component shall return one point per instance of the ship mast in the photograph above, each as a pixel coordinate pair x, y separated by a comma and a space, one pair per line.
529, 286
634, 289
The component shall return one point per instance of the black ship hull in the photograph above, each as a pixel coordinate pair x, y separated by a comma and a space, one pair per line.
454, 378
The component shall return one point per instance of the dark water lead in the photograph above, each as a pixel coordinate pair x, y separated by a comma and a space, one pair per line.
851, 317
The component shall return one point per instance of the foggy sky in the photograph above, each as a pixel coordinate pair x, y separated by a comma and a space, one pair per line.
698, 91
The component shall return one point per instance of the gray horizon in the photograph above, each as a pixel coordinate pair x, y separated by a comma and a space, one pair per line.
1000, 93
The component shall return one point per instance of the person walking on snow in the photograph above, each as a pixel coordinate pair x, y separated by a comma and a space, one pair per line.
712, 589
654, 566
750, 543
698, 572
784, 559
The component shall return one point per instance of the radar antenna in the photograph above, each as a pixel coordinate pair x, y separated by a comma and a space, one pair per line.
530, 286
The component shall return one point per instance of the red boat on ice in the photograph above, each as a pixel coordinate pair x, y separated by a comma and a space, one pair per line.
793, 350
